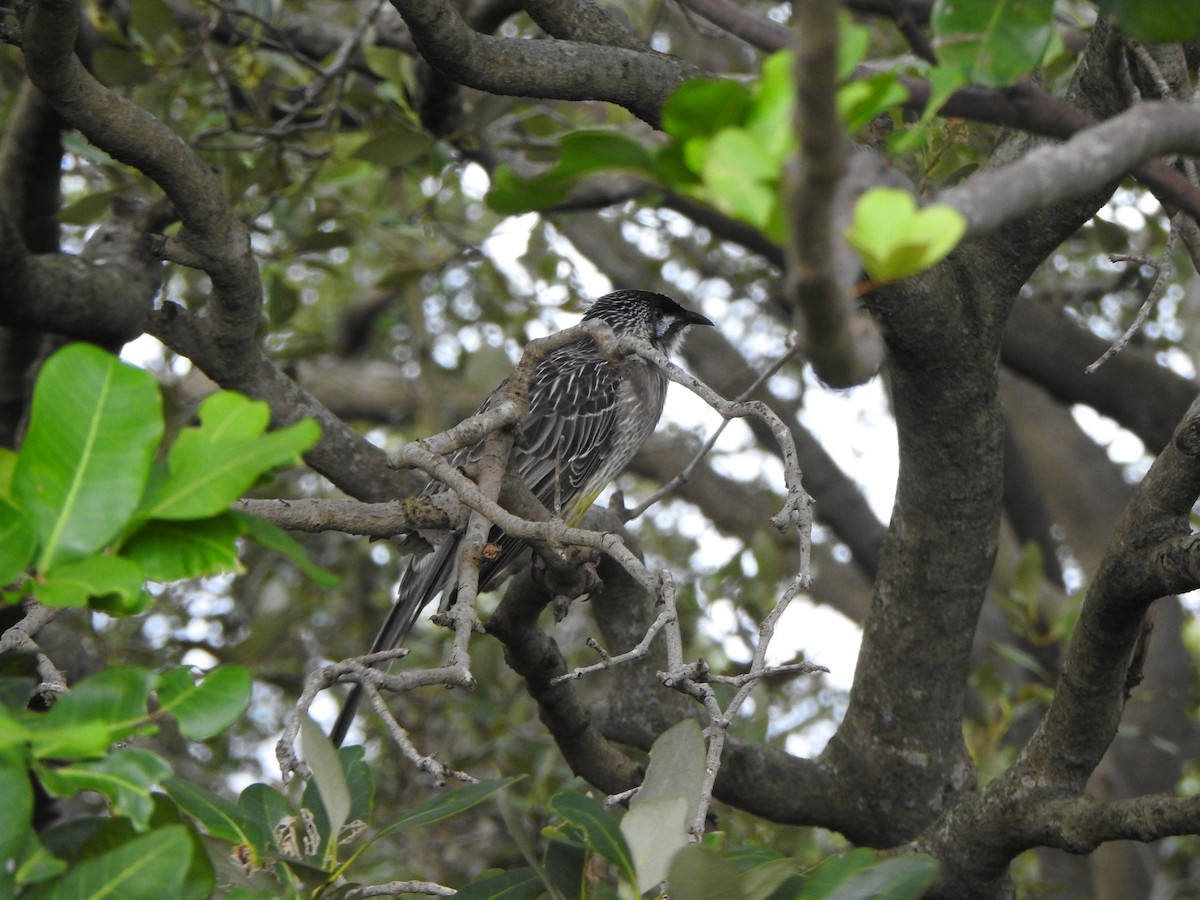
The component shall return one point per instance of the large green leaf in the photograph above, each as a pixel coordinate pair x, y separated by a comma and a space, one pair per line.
582, 154
328, 776
220, 818
93, 430
211, 466
125, 776
992, 42
1166, 21
115, 584
206, 709
191, 548
18, 541
659, 814
146, 868
114, 700
269, 810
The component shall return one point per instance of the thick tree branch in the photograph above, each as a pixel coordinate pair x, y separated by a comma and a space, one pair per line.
562, 70
105, 295
211, 236
1090, 159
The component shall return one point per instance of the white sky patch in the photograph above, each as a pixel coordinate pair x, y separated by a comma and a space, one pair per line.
857, 430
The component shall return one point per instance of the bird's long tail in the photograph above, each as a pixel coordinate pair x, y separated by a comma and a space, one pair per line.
425, 577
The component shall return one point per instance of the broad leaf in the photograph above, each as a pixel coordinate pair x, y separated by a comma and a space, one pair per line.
992, 42
114, 699
93, 430
170, 551
328, 776
213, 465
268, 809
895, 239
206, 709
146, 868
125, 776
1167, 21
583, 153
659, 814
18, 542
220, 818
113, 582
702, 873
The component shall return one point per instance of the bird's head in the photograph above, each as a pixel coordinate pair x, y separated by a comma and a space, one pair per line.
644, 314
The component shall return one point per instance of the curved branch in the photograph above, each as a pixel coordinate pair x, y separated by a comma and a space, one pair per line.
557, 70
211, 236
1089, 160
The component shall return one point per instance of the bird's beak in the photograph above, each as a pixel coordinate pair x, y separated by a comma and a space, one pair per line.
694, 318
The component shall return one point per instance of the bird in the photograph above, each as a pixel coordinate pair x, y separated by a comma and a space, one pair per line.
587, 417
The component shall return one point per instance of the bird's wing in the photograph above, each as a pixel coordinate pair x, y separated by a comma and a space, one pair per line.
563, 440
566, 437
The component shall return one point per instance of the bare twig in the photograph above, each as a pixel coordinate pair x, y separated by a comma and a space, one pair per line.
1165, 271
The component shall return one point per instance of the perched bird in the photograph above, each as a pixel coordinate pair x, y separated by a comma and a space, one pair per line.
587, 418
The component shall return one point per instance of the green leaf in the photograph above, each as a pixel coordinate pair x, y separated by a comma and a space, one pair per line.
114, 699
200, 881
440, 807
220, 818
267, 808
327, 773
394, 145
18, 542
702, 107
600, 828
659, 814
88, 209
206, 709
992, 42
18, 842
739, 176
279, 541
770, 117
895, 239
146, 868
1164, 22
583, 153
114, 582
213, 465
861, 101
125, 776
170, 551
515, 884
93, 430
762, 881
899, 878
853, 42
702, 873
